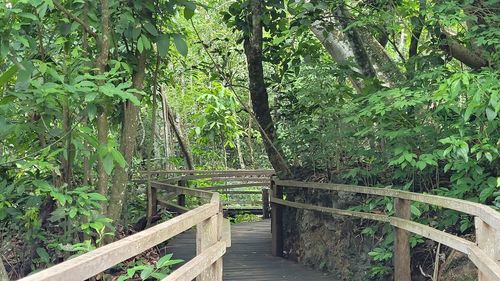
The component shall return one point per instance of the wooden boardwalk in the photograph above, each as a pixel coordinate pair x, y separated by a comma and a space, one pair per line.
249, 257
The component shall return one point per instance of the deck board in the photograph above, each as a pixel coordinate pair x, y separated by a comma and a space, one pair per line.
249, 257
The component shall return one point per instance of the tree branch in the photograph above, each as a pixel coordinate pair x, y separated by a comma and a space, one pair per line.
70, 15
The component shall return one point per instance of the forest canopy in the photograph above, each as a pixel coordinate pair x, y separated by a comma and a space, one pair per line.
393, 93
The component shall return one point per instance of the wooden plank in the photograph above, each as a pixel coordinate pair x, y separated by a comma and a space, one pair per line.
334, 211
239, 192
181, 198
198, 264
173, 207
402, 257
487, 214
488, 241
257, 171
442, 237
277, 221
226, 232
249, 257
94, 262
221, 175
230, 186
206, 237
241, 179
183, 190
489, 268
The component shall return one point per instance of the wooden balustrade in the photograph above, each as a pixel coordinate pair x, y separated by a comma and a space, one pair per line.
211, 244
484, 253
213, 235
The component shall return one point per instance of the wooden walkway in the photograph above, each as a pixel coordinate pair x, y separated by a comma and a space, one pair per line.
249, 257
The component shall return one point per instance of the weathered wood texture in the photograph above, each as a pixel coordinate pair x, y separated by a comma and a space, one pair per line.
249, 257
258, 172
484, 253
488, 240
94, 262
265, 204
402, 257
486, 213
277, 221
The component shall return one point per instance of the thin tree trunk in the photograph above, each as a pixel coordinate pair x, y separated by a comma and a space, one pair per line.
102, 118
85, 45
249, 133
183, 144
240, 155
150, 150
127, 144
67, 162
258, 91
166, 128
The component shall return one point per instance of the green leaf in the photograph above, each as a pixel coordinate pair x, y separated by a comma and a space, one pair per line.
59, 197
72, 212
96, 196
158, 275
145, 42
7, 99
146, 273
415, 211
163, 45
150, 28
486, 193
188, 12
42, 253
180, 44
24, 75
108, 163
162, 260
7, 75
118, 157
490, 114
140, 45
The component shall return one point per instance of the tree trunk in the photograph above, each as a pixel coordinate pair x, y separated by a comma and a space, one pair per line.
127, 144
358, 45
166, 128
102, 118
471, 58
240, 155
183, 144
258, 91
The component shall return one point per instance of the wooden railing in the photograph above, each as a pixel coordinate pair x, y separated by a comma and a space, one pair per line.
161, 193
484, 253
212, 238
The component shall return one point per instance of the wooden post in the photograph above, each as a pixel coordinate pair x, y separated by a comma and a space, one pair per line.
488, 240
208, 233
181, 198
152, 207
401, 256
265, 203
276, 221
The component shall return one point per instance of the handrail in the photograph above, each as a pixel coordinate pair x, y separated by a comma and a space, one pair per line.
210, 240
486, 213
262, 172
243, 178
484, 253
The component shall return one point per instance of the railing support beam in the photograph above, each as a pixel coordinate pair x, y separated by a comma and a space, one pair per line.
181, 198
265, 203
401, 256
488, 240
276, 221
